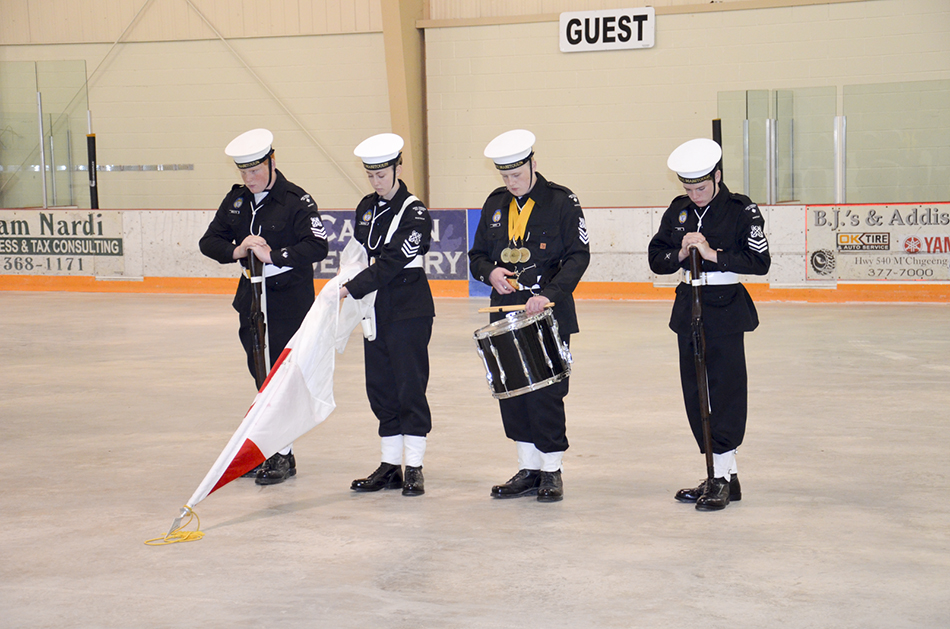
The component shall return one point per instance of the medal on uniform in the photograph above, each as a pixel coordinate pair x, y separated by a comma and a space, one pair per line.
506, 255
517, 222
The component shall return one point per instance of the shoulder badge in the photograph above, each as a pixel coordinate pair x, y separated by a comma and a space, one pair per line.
582, 231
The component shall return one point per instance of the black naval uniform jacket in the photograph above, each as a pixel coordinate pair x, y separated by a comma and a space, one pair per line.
401, 293
289, 221
556, 236
734, 226
397, 361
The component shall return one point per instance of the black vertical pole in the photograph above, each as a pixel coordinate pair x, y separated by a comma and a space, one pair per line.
93, 189
717, 138
699, 357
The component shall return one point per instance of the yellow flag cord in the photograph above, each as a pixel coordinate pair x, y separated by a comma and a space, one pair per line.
177, 534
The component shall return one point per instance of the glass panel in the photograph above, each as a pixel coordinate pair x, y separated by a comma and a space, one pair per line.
898, 144
805, 144
732, 116
63, 88
757, 112
20, 183
784, 114
63, 85
804, 134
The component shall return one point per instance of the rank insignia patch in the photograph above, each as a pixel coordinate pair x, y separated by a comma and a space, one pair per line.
316, 226
757, 241
410, 248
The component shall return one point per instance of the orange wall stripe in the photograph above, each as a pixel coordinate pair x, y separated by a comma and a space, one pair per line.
179, 285
881, 292
925, 293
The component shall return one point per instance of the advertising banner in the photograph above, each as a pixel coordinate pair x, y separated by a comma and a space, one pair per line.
861, 243
61, 242
447, 258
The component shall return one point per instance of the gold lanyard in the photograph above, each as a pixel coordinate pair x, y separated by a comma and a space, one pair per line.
518, 220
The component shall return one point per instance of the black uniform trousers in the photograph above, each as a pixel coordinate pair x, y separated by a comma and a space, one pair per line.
279, 333
538, 416
397, 374
728, 389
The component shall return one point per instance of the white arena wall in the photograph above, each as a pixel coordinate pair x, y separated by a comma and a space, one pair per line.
156, 251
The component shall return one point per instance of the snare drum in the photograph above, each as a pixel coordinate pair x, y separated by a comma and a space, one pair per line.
522, 353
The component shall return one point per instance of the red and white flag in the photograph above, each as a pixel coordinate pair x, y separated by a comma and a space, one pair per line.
298, 392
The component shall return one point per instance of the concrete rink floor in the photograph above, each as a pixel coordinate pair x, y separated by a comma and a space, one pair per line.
114, 406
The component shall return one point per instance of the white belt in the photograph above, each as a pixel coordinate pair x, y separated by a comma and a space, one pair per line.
712, 278
270, 270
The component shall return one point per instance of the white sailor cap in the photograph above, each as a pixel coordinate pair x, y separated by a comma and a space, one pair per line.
511, 149
695, 160
380, 151
251, 148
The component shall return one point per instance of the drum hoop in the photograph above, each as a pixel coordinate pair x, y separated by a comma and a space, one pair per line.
513, 321
504, 395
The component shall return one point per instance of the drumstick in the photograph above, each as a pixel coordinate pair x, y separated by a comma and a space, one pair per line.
550, 304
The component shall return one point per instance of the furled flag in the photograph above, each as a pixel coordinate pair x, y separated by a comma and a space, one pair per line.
298, 392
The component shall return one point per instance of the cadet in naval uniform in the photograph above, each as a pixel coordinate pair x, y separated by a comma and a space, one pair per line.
729, 232
544, 223
395, 229
279, 222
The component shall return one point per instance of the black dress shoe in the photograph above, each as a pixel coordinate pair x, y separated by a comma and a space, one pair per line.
277, 469
715, 497
692, 494
386, 476
551, 489
524, 483
414, 484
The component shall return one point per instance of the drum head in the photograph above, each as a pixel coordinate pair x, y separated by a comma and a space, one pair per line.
513, 321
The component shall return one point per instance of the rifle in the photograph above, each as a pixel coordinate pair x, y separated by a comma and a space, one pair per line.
699, 355
258, 322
